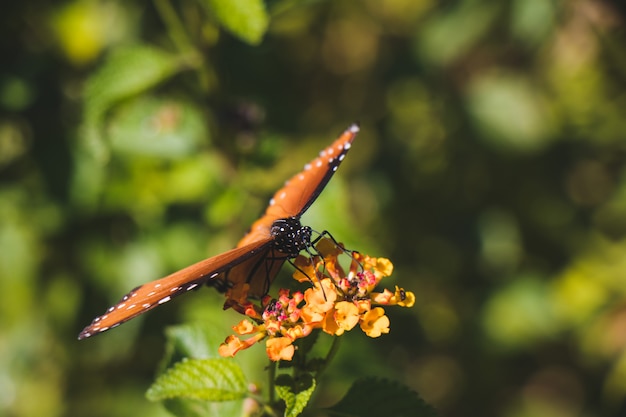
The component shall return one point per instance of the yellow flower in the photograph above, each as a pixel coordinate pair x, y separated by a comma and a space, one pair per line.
319, 300
374, 322
279, 348
346, 315
245, 327
404, 298
305, 269
336, 302
232, 345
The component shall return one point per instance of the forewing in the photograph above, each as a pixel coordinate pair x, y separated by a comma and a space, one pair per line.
155, 293
302, 189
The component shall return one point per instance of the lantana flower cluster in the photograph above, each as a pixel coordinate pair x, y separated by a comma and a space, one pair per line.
337, 302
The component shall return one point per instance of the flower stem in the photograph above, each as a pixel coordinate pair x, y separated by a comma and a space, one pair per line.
174, 26
334, 348
272, 380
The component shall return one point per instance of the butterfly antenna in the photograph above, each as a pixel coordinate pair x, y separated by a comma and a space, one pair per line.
348, 252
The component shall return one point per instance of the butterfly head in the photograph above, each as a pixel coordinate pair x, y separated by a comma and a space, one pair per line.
290, 237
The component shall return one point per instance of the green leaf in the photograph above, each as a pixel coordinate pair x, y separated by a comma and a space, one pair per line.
164, 128
201, 379
195, 341
127, 71
246, 19
296, 394
372, 397
197, 408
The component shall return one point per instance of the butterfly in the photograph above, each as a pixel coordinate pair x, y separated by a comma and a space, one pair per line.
254, 263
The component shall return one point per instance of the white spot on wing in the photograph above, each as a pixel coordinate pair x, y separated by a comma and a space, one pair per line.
347, 146
282, 195
307, 167
318, 164
165, 299
272, 202
192, 286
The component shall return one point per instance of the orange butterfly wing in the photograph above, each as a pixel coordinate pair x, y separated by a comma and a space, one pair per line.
155, 293
301, 190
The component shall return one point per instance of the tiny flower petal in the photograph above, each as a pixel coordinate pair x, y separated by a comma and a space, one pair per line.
329, 324
328, 248
382, 297
384, 267
233, 344
245, 327
374, 322
346, 315
279, 348
321, 298
305, 269
363, 305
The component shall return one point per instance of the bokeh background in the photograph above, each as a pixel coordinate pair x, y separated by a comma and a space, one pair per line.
139, 137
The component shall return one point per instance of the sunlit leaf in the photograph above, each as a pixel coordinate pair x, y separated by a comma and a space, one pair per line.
196, 341
201, 379
296, 394
162, 128
510, 112
126, 72
246, 19
520, 313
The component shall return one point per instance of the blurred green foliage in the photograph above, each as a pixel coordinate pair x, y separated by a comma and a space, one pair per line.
139, 137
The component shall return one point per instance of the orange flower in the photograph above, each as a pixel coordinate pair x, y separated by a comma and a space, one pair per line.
279, 348
374, 322
232, 345
400, 297
404, 298
346, 315
336, 303
245, 327
305, 269
318, 301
